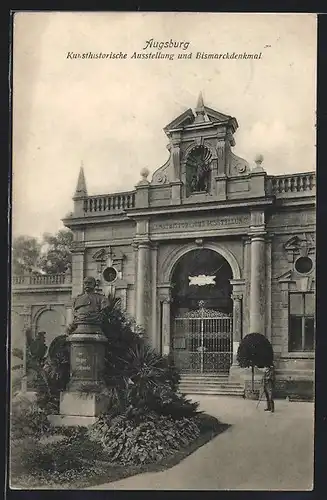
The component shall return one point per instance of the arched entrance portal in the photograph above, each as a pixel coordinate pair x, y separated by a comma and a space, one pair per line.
202, 312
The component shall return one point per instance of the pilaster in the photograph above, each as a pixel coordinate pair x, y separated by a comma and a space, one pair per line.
165, 300
237, 296
237, 323
78, 266
221, 188
176, 192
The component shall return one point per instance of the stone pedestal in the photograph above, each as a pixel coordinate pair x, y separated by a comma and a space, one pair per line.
83, 401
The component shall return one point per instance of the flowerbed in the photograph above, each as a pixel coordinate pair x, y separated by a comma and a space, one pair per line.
79, 460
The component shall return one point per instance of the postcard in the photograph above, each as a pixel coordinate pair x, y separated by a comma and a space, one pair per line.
162, 330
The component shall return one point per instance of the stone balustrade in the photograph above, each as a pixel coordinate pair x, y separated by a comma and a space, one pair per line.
109, 202
41, 279
293, 184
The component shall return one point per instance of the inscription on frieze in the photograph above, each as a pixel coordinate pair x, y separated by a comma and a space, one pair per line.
194, 224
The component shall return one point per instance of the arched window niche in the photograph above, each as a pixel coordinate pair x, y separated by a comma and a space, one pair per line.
198, 172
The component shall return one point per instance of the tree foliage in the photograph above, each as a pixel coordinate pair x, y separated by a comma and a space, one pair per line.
50, 255
25, 254
255, 350
56, 255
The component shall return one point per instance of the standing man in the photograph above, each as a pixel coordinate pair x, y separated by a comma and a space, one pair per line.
268, 387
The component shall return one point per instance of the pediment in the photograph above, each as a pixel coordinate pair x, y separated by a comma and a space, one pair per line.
188, 118
100, 255
288, 276
297, 242
293, 243
301, 245
217, 117
181, 121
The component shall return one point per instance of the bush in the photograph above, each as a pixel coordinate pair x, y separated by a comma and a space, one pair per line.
27, 419
129, 442
164, 401
68, 454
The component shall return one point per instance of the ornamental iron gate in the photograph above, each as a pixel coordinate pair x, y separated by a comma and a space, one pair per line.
202, 341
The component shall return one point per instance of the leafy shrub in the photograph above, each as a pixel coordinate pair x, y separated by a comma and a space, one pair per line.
165, 401
27, 419
129, 442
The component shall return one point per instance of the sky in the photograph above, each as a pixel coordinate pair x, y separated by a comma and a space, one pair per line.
110, 113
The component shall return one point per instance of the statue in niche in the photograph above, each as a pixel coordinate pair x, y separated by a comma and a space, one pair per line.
198, 170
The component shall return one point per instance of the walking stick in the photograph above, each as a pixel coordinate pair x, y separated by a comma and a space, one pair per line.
260, 397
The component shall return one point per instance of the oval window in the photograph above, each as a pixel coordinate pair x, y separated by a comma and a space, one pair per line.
110, 274
303, 265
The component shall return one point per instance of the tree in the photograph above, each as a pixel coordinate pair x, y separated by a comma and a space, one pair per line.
56, 254
255, 350
25, 254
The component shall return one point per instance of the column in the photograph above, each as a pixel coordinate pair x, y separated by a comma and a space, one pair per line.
166, 325
142, 283
257, 284
155, 328
237, 324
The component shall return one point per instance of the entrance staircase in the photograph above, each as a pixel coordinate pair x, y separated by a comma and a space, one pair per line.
209, 384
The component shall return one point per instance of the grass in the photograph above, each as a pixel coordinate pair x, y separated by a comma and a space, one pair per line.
101, 471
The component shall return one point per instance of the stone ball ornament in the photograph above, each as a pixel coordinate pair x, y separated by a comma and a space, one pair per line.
258, 163
258, 159
144, 173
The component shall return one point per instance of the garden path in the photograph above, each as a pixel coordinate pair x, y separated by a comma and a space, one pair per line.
260, 451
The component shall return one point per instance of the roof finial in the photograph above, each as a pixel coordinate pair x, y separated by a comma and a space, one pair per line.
81, 190
200, 110
200, 103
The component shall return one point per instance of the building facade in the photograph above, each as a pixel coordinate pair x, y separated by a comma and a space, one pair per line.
208, 250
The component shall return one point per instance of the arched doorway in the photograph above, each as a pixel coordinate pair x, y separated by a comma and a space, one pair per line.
201, 312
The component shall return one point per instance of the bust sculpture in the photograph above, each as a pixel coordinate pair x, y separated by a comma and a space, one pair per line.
88, 307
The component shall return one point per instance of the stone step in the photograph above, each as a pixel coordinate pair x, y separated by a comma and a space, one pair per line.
205, 375
206, 379
214, 392
212, 384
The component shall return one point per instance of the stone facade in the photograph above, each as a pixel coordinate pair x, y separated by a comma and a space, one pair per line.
203, 197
